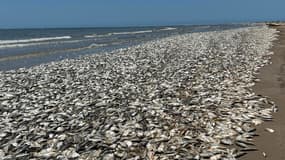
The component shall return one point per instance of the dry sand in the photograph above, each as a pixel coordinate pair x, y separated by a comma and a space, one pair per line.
272, 84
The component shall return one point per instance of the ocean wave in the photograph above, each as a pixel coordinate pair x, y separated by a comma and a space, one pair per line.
36, 44
4, 42
134, 32
168, 29
18, 45
97, 36
116, 33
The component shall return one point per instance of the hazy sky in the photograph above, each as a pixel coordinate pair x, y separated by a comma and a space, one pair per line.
80, 13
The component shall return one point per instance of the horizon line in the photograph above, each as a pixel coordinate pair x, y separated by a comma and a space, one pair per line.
127, 26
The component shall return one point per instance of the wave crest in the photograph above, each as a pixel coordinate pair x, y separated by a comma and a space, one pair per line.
117, 33
3, 42
168, 29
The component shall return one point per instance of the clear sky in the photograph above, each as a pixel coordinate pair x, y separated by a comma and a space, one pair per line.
87, 13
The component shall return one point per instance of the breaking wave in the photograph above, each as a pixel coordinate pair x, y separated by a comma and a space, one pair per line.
117, 33
168, 29
14, 45
134, 32
97, 36
4, 42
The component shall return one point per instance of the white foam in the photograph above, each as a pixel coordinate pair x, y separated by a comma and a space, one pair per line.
168, 29
135, 32
91, 36
96, 36
18, 45
33, 40
34, 44
117, 33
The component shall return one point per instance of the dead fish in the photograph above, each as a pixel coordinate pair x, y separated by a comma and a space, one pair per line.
2, 153
46, 153
206, 155
227, 141
269, 130
257, 121
187, 96
216, 157
240, 154
264, 154
70, 153
242, 145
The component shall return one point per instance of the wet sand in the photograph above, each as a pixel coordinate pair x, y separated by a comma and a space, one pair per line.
272, 84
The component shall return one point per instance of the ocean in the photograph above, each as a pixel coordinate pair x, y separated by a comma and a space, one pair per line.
29, 47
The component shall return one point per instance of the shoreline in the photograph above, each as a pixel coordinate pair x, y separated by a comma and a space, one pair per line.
181, 97
26, 52
272, 85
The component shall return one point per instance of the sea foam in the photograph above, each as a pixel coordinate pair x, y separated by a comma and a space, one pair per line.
14, 45
117, 33
33, 40
168, 29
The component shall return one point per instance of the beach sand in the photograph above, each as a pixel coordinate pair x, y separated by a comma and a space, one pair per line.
272, 84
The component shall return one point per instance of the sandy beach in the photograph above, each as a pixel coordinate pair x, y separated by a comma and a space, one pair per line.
272, 84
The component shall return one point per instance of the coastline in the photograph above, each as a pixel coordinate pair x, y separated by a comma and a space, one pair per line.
153, 100
272, 85
41, 46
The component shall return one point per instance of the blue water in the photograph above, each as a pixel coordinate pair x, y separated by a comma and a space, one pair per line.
29, 47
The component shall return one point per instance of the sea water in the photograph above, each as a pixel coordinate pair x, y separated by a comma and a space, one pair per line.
28, 47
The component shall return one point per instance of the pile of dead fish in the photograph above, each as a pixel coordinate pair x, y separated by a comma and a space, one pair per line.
181, 97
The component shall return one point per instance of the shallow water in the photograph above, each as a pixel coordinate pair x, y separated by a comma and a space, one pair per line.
28, 47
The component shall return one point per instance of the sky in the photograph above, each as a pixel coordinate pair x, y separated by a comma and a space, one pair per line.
110, 13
